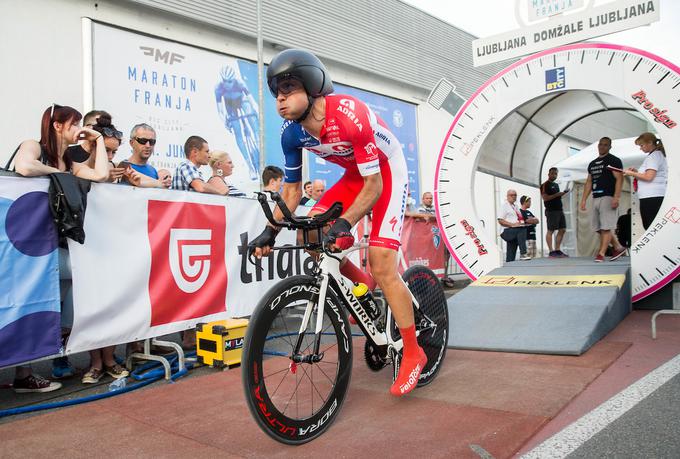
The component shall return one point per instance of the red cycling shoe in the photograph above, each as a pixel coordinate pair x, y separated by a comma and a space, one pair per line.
409, 373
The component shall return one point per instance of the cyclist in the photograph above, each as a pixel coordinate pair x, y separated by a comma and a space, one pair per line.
345, 131
236, 107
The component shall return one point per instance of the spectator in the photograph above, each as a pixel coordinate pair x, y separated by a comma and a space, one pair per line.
531, 221
623, 229
554, 214
272, 178
605, 180
164, 174
426, 204
187, 176
651, 181
318, 189
222, 167
76, 152
426, 210
60, 128
112, 140
102, 360
142, 142
514, 234
307, 188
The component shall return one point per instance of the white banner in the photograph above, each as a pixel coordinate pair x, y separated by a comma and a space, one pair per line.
609, 18
180, 91
156, 262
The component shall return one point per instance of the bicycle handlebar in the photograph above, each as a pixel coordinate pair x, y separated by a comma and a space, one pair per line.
292, 221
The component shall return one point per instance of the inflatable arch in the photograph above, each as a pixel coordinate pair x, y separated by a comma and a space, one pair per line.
611, 73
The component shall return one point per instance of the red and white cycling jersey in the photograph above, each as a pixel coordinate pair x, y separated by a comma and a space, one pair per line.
359, 141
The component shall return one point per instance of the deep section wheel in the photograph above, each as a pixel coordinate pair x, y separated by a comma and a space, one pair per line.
295, 396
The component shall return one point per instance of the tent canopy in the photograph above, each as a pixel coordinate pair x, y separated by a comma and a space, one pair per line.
574, 168
517, 147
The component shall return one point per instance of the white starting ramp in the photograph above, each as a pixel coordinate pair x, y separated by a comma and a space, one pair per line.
544, 305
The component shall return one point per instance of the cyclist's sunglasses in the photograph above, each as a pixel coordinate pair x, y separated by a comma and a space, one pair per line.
143, 141
284, 84
110, 132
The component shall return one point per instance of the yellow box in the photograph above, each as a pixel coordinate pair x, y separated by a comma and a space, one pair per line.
220, 343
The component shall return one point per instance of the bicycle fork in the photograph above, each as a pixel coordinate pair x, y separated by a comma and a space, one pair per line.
320, 302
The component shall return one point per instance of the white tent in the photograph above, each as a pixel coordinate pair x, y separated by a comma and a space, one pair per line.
574, 168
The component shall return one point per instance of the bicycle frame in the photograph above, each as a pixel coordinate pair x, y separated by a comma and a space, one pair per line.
330, 277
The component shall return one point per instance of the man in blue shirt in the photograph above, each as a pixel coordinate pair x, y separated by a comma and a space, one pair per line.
142, 142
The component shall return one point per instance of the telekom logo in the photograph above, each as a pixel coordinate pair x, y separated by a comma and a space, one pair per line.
190, 257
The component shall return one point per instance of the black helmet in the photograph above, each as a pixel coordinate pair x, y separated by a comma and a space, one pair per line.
302, 65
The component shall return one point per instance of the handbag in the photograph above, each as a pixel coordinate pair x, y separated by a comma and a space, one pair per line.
505, 235
68, 202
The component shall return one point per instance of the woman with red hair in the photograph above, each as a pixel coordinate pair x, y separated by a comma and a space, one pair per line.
60, 127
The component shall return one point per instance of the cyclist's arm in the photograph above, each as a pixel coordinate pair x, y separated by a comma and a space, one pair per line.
366, 155
292, 182
367, 197
292, 193
218, 101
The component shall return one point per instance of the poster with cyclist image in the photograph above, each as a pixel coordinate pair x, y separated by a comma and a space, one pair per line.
180, 91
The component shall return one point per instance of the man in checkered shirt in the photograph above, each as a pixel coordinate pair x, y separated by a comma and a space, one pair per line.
187, 177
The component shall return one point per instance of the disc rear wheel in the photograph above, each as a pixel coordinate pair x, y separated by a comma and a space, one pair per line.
431, 319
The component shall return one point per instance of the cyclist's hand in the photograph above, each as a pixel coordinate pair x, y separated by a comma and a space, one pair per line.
339, 236
261, 245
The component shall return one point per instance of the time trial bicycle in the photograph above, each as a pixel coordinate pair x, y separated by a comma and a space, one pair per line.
297, 353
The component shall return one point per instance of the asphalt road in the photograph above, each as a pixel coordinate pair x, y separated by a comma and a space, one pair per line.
651, 429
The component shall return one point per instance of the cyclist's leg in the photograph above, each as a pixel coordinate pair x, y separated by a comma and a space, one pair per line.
388, 217
345, 191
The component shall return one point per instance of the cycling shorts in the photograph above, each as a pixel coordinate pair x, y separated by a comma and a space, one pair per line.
388, 211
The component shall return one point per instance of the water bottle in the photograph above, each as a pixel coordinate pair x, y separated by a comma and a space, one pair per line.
117, 384
366, 299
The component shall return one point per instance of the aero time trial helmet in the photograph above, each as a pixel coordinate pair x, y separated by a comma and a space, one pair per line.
301, 65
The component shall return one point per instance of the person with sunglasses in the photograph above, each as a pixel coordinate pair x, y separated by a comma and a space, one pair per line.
59, 128
345, 131
76, 152
142, 142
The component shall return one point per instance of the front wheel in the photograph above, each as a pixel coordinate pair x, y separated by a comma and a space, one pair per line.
295, 402
431, 319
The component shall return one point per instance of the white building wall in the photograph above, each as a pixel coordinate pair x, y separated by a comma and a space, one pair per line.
42, 51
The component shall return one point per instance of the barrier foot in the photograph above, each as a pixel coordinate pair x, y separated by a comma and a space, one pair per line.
657, 313
147, 355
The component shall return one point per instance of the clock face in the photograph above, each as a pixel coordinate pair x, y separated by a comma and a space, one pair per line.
648, 83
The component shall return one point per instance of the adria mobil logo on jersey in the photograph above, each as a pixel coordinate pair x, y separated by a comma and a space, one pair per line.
188, 276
